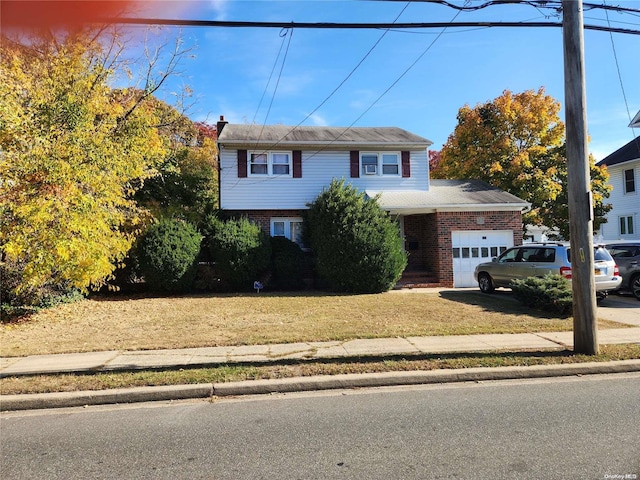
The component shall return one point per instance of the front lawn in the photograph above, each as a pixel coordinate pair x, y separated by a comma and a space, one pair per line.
147, 322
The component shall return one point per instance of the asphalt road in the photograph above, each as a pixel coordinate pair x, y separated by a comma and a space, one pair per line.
569, 428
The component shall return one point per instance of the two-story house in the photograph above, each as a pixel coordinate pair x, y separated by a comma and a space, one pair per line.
623, 220
271, 173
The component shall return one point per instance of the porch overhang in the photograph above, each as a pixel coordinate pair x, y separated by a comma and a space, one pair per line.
448, 196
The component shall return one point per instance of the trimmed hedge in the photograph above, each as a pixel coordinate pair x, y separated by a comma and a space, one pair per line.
168, 254
357, 245
240, 249
551, 293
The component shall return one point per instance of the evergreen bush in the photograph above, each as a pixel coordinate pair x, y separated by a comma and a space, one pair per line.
357, 245
287, 264
240, 249
551, 293
168, 254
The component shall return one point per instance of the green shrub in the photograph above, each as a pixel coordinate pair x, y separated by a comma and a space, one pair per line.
357, 245
240, 250
168, 254
287, 264
551, 293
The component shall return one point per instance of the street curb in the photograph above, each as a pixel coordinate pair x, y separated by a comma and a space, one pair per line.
303, 384
388, 379
35, 401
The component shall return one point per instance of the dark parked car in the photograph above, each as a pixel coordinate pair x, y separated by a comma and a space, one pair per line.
627, 257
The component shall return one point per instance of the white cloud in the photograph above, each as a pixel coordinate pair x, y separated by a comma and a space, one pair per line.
318, 120
220, 7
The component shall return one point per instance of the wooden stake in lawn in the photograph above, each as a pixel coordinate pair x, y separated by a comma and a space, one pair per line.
580, 205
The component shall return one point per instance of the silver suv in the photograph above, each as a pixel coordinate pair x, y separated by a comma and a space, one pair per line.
539, 259
627, 256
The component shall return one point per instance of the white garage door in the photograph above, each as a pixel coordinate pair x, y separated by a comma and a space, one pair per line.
471, 248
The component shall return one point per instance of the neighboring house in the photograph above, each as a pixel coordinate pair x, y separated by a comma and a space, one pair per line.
271, 173
539, 233
623, 220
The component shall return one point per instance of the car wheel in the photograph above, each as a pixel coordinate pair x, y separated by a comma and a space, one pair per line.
635, 286
485, 283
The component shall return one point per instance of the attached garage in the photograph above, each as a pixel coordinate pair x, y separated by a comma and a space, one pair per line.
472, 247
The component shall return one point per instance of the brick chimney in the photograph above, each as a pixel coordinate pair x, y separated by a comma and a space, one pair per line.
220, 125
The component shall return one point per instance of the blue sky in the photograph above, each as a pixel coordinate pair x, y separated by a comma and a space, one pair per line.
234, 68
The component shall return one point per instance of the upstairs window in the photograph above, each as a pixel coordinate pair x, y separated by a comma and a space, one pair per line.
390, 164
369, 164
270, 163
259, 165
626, 225
629, 181
380, 164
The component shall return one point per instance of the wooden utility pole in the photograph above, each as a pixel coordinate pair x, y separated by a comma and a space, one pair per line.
585, 330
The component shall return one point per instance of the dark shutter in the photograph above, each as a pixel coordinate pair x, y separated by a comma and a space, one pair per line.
297, 164
242, 163
406, 164
354, 161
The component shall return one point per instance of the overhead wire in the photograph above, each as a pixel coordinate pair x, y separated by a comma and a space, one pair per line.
335, 90
273, 69
401, 76
275, 90
624, 94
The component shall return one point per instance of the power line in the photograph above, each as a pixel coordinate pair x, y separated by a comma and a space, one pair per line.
284, 59
353, 70
551, 4
273, 69
347, 25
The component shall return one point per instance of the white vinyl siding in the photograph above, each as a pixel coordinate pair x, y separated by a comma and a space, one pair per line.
318, 170
626, 204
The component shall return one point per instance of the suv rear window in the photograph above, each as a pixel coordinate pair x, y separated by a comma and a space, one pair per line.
599, 254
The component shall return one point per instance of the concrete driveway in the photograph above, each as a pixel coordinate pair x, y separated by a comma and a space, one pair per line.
620, 308
623, 307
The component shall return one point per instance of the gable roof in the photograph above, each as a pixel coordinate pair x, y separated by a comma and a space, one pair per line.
631, 151
635, 123
449, 195
273, 136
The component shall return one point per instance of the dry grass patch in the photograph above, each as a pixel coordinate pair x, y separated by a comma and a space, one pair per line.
145, 322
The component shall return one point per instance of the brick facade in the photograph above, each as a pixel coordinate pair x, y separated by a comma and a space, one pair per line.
263, 217
428, 237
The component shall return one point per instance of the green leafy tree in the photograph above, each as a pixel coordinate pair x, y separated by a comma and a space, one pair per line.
187, 182
516, 143
357, 245
72, 153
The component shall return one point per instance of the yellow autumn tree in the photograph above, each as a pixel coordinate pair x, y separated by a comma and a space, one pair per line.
71, 151
516, 143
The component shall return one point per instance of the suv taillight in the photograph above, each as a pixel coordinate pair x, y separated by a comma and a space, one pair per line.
616, 271
565, 272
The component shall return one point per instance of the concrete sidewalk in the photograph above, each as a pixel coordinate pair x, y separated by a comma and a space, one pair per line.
263, 354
